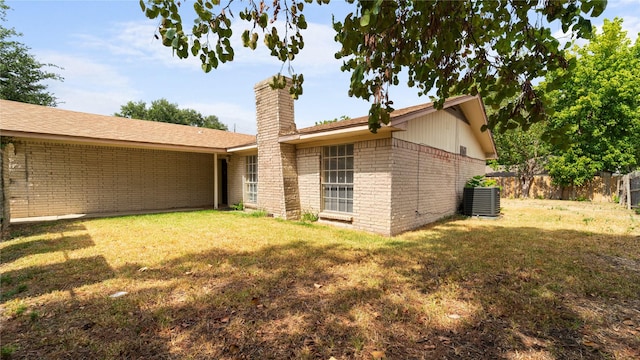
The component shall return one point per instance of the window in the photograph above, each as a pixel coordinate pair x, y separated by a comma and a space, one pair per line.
251, 180
337, 178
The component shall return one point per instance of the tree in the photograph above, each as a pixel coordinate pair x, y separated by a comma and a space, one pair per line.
341, 118
524, 152
498, 47
163, 111
21, 75
133, 110
598, 109
211, 122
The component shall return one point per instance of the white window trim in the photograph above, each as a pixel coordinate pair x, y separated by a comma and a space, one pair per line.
324, 183
247, 182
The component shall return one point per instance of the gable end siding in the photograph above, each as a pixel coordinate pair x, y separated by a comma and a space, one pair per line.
442, 130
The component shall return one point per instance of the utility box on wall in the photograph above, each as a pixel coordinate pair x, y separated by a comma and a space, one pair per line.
481, 201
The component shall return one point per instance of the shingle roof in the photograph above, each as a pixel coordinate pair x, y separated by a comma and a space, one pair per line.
362, 120
34, 119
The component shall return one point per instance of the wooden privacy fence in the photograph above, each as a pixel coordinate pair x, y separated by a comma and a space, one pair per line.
602, 188
630, 190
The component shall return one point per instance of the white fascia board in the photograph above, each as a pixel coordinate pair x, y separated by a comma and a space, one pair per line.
243, 148
108, 142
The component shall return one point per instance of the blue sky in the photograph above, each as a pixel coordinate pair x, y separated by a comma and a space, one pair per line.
110, 57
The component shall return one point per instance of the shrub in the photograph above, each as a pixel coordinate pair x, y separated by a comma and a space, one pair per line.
309, 216
258, 213
239, 206
481, 181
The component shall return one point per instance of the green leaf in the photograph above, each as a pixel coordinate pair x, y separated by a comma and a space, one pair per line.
598, 7
376, 7
302, 23
213, 60
195, 48
245, 38
586, 6
152, 12
254, 41
170, 34
364, 20
263, 20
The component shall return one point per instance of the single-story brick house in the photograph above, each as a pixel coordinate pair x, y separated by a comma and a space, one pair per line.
410, 173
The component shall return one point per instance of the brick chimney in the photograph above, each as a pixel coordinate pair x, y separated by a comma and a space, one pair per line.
277, 172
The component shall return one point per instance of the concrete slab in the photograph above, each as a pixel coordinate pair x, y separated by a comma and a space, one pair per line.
36, 219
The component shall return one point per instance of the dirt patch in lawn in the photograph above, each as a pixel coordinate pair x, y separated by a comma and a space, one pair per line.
621, 263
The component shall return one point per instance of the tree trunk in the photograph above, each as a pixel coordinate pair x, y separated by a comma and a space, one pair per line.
525, 186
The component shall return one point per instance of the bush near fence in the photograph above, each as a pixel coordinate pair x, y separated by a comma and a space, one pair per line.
601, 189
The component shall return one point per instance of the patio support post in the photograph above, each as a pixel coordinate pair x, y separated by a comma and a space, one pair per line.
7, 150
215, 180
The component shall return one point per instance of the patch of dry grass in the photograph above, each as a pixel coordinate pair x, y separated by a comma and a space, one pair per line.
549, 280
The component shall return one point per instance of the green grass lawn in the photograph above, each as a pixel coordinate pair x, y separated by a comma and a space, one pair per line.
548, 280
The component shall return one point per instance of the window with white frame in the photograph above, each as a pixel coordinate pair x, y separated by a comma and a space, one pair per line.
337, 178
251, 179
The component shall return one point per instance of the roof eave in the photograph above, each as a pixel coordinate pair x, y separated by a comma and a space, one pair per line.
111, 142
332, 134
402, 119
475, 112
243, 148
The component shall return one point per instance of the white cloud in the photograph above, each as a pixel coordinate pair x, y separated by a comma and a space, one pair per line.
132, 42
320, 49
103, 102
88, 86
632, 25
92, 73
135, 42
